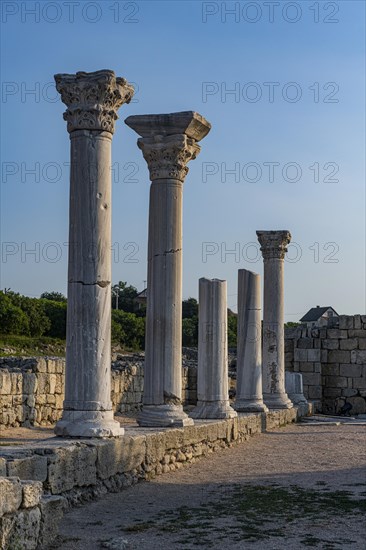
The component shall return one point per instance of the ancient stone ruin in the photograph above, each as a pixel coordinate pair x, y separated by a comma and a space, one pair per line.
168, 143
92, 101
93, 453
332, 363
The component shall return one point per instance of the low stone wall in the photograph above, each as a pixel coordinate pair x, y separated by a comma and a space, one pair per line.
60, 473
332, 361
28, 519
32, 389
127, 385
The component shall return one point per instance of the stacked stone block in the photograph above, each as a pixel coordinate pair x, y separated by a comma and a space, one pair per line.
31, 391
332, 361
28, 518
127, 386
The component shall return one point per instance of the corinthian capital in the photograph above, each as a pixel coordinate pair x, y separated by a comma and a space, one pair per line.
274, 243
168, 142
92, 99
167, 156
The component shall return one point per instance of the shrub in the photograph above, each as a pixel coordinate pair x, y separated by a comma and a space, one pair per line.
12, 319
128, 329
190, 332
56, 313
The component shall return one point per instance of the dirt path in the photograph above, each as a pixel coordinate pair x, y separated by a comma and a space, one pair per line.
296, 487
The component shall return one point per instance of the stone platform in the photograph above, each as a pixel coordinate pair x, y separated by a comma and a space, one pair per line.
43, 477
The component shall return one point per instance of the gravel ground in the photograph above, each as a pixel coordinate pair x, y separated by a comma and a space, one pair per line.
302, 486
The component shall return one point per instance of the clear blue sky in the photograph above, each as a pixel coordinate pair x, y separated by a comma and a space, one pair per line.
184, 56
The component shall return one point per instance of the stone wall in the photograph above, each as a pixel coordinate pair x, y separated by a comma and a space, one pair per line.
28, 518
128, 384
32, 389
40, 481
332, 361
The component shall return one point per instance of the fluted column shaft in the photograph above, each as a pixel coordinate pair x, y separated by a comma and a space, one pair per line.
164, 305
249, 396
92, 100
212, 368
274, 247
167, 142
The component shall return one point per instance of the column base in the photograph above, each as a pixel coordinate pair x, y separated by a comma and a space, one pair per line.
298, 399
250, 405
163, 416
277, 401
88, 424
213, 409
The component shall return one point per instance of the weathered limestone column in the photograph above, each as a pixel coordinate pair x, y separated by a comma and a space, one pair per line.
212, 369
249, 397
167, 142
92, 101
273, 248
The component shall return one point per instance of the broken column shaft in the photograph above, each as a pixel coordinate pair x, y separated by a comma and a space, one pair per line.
249, 397
212, 368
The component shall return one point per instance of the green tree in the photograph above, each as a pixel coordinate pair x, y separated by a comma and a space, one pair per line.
33, 308
12, 319
130, 332
56, 313
54, 296
189, 308
118, 334
39, 323
14, 297
190, 332
123, 297
232, 330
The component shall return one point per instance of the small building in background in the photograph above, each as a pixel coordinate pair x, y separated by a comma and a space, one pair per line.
319, 316
141, 298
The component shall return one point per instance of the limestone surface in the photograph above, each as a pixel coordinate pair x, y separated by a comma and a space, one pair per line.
11, 495
32, 493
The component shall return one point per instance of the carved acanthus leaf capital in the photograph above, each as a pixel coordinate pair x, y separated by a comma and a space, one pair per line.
167, 156
92, 99
274, 243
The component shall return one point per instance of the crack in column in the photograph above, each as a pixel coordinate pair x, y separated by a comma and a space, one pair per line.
171, 251
102, 284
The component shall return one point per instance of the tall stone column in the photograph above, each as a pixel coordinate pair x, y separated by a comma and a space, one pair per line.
92, 101
273, 248
212, 369
167, 143
249, 396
